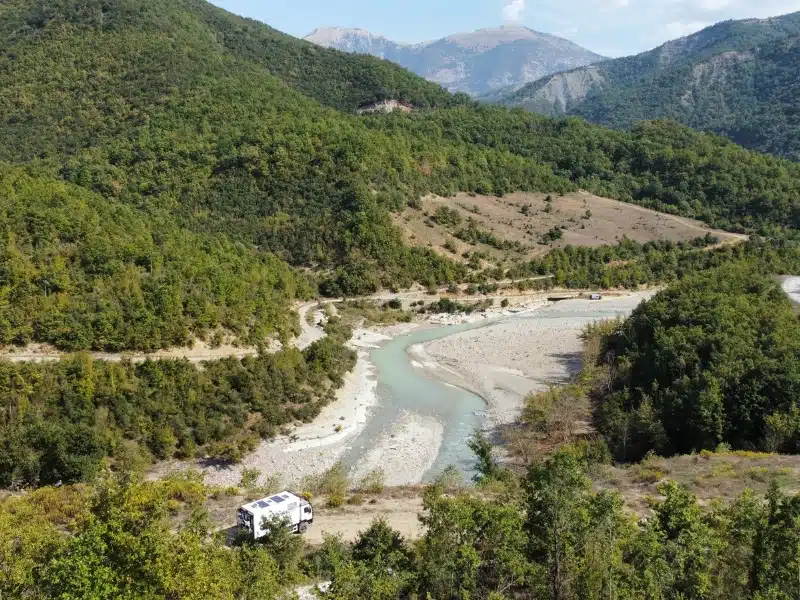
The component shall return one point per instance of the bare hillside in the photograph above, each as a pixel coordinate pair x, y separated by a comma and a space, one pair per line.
525, 219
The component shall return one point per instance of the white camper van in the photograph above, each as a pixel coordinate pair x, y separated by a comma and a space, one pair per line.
297, 511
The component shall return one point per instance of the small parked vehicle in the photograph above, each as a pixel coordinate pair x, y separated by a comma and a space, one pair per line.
297, 511
595, 297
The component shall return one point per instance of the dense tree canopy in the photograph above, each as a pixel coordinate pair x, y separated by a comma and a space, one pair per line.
83, 272
224, 146
61, 421
714, 358
630, 264
557, 539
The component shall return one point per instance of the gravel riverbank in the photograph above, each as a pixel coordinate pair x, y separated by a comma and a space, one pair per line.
505, 361
502, 362
404, 453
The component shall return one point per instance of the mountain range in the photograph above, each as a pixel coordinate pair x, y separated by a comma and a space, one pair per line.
740, 79
168, 169
476, 63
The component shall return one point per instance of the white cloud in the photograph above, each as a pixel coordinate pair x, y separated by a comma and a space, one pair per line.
620, 27
513, 10
677, 29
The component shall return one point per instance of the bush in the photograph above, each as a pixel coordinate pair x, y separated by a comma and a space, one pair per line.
373, 482
334, 484
249, 478
449, 480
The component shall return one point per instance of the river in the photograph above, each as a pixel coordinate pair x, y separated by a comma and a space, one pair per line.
791, 285
402, 388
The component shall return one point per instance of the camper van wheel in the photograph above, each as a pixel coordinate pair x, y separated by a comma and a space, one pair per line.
303, 526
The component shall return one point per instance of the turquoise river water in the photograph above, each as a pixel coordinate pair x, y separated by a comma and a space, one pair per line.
403, 388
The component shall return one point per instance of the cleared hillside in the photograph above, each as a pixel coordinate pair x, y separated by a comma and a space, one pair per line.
526, 225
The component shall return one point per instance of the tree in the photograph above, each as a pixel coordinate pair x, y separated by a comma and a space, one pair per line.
487, 467
471, 548
285, 548
575, 537
557, 517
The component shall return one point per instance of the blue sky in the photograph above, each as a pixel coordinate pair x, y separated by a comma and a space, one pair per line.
610, 27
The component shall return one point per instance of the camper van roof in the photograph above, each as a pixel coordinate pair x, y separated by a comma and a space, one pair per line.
272, 501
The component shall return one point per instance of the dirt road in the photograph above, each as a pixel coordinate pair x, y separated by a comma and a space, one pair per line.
401, 514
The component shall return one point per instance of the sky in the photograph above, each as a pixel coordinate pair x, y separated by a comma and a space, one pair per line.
608, 27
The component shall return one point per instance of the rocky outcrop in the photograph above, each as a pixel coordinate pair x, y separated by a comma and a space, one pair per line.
384, 107
559, 92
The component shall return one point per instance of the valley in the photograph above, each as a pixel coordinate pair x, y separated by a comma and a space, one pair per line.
505, 355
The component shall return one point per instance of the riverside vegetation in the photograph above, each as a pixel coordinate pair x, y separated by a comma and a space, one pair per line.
547, 534
712, 361
171, 172
63, 421
194, 185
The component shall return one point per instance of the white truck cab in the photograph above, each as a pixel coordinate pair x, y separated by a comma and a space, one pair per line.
297, 511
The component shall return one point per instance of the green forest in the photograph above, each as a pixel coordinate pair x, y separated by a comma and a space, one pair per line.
195, 179
712, 359
552, 537
65, 421
170, 173
630, 264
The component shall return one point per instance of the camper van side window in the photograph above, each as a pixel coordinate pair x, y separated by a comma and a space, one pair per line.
307, 509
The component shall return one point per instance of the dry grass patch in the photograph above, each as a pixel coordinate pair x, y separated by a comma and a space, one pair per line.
709, 475
526, 218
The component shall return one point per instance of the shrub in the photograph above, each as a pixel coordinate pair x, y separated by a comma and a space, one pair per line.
373, 482
449, 480
249, 478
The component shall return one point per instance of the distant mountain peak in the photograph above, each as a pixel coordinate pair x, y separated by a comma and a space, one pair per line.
477, 62
323, 35
491, 37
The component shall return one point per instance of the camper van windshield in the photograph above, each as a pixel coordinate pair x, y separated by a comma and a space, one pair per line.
245, 519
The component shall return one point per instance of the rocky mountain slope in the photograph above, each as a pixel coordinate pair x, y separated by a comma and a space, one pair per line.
738, 78
476, 63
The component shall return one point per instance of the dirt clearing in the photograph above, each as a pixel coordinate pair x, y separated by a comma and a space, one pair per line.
708, 475
581, 218
400, 508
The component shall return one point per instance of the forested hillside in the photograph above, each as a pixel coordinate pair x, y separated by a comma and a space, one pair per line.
181, 115
64, 421
738, 78
713, 359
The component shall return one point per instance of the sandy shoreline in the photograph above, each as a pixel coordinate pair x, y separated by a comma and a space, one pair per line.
405, 452
505, 361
